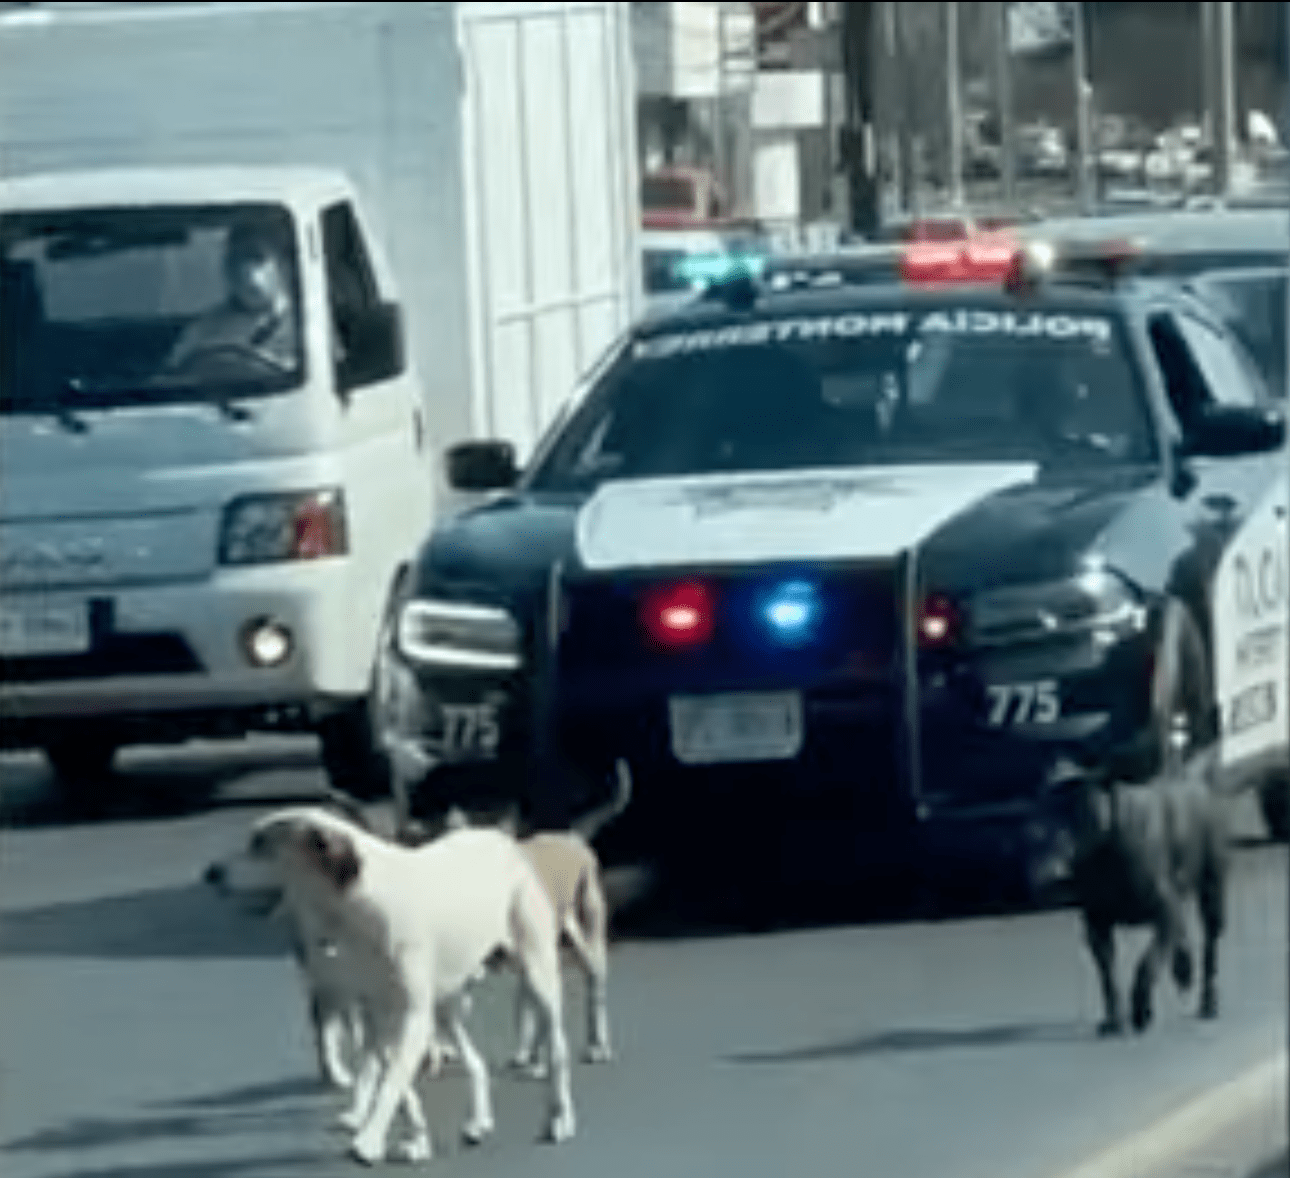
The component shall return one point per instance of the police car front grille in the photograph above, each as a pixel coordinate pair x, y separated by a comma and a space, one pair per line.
113, 656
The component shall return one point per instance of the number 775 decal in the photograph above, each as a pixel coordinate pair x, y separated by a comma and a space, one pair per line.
1023, 703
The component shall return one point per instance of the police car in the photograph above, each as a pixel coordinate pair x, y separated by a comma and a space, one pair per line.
874, 557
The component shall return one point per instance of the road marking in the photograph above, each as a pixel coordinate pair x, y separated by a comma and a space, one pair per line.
1169, 1148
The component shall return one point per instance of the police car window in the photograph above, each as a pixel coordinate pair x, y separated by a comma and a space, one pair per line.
1228, 378
883, 387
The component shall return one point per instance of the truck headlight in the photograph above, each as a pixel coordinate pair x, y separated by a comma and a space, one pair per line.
300, 525
1096, 600
460, 635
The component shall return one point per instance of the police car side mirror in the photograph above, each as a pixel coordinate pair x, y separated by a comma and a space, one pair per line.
372, 346
481, 466
1225, 431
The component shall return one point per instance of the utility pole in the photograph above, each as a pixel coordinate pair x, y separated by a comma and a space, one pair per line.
1224, 110
860, 154
954, 102
1083, 111
1003, 97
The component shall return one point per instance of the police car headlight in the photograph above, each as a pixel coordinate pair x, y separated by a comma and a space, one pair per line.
1095, 600
459, 635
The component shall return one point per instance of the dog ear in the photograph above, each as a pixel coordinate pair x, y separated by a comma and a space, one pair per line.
334, 855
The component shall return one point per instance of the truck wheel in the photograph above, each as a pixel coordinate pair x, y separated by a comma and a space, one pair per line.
81, 763
1274, 801
1182, 715
352, 753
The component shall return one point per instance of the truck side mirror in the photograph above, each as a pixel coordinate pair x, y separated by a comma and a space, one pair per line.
373, 346
1225, 431
481, 466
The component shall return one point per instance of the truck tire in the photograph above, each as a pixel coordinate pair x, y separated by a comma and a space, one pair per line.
1274, 801
353, 756
1181, 718
81, 762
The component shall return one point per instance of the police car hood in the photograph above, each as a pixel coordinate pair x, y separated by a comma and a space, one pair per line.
961, 517
970, 522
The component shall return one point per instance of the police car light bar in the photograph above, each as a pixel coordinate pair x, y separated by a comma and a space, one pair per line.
1098, 263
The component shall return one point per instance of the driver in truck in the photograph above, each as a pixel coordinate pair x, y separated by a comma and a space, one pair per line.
255, 321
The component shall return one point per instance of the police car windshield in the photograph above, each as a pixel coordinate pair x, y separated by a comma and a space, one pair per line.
880, 387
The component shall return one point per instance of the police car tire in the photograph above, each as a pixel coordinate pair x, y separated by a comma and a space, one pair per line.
353, 762
82, 763
1180, 693
1274, 801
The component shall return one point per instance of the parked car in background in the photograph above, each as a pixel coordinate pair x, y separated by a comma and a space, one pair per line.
1234, 257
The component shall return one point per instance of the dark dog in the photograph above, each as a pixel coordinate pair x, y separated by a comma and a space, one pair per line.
1142, 852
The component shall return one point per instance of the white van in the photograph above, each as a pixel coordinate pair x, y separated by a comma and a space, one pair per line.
203, 521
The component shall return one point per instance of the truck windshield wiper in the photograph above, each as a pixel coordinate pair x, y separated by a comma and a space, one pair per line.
232, 410
64, 414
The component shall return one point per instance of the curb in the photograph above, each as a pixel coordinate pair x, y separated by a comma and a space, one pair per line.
1228, 1132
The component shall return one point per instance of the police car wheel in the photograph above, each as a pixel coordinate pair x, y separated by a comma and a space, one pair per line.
1274, 801
82, 764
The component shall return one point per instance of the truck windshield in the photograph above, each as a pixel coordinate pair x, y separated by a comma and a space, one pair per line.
1057, 388
122, 306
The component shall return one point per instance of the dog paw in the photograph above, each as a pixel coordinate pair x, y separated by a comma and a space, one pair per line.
476, 1130
1182, 968
598, 1053
1208, 1005
562, 1127
368, 1152
1110, 1028
1141, 1016
417, 1150
528, 1067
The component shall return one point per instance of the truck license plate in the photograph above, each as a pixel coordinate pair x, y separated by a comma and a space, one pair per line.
44, 628
713, 729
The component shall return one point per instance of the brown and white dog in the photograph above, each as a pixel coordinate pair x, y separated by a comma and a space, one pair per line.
567, 865
411, 928
1142, 852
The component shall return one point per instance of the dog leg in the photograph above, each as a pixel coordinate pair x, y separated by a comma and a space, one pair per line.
592, 957
526, 1058
366, 1079
1144, 979
480, 1123
418, 1146
1101, 944
404, 1058
543, 983
332, 1026
1210, 897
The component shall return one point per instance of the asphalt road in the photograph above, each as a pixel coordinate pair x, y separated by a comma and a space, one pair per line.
148, 1031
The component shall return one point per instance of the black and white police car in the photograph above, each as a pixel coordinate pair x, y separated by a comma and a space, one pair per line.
873, 556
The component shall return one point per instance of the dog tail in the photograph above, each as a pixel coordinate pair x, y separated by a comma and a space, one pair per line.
593, 822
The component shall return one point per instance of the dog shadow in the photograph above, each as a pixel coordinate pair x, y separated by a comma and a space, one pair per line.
186, 922
259, 1167
922, 1039
285, 1106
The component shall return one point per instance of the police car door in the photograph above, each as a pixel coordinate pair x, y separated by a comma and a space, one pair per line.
1241, 502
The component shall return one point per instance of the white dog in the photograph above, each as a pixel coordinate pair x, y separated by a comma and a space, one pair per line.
411, 928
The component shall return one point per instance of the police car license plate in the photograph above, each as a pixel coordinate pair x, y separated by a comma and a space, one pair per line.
44, 628
713, 729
